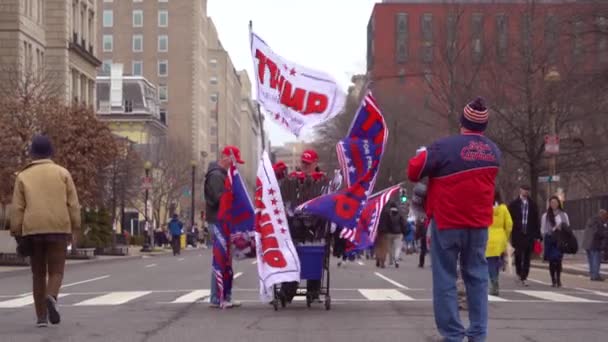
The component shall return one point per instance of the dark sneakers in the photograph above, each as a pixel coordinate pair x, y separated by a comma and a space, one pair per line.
51, 304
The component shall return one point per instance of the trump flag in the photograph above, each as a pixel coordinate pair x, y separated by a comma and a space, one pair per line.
278, 260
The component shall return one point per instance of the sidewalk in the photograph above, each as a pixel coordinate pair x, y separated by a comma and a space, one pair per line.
573, 264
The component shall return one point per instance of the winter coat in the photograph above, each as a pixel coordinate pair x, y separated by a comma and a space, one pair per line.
519, 240
44, 201
214, 188
595, 234
499, 232
175, 227
552, 251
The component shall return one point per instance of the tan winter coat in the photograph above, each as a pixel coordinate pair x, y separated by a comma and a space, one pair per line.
44, 200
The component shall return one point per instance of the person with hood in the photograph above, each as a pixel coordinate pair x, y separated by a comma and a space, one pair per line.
395, 229
595, 236
45, 213
176, 229
462, 172
214, 188
498, 237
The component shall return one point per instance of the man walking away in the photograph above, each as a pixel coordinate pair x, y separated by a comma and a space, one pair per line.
462, 172
526, 229
395, 231
45, 213
175, 228
596, 235
214, 188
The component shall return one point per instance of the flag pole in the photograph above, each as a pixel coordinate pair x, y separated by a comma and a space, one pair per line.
260, 116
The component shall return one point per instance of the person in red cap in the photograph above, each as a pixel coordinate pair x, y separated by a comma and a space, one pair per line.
309, 166
280, 170
214, 188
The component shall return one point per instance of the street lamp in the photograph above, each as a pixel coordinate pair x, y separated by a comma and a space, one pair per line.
147, 168
552, 78
192, 209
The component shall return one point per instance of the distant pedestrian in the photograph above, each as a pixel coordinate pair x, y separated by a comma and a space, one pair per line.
526, 230
421, 236
395, 230
498, 238
553, 220
381, 243
462, 171
176, 229
594, 239
45, 213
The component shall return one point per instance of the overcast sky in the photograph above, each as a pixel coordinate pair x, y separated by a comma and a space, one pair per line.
329, 35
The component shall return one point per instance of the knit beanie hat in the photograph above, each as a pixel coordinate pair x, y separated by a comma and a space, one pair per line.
41, 147
475, 116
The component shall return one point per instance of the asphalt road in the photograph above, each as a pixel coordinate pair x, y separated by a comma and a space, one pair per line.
162, 298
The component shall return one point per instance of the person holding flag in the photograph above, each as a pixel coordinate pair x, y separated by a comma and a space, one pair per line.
309, 167
214, 187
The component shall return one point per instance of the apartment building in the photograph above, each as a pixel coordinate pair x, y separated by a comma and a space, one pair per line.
55, 39
165, 42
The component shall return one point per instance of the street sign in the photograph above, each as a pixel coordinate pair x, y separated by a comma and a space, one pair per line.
551, 144
548, 179
146, 183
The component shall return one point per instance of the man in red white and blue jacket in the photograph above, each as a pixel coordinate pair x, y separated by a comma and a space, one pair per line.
461, 170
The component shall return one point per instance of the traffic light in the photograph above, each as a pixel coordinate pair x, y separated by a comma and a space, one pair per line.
403, 196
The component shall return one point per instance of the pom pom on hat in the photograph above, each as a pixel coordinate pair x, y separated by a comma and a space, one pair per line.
475, 115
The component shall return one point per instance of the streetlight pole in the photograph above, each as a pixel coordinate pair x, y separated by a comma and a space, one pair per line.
552, 77
192, 209
147, 167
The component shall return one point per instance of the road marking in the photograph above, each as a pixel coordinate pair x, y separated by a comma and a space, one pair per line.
361, 263
238, 274
85, 281
538, 282
180, 259
113, 298
384, 295
20, 302
146, 257
192, 297
200, 255
151, 265
391, 281
496, 299
254, 262
604, 294
555, 297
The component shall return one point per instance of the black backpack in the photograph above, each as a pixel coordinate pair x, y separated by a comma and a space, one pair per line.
208, 198
566, 241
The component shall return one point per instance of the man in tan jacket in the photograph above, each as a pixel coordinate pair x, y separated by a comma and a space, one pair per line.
45, 213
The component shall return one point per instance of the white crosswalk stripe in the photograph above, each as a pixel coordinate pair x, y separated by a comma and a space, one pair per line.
114, 298
496, 299
555, 297
384, 295
192, 297
20, 302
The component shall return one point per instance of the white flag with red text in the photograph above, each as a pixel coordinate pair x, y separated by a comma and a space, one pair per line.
278, 260
294, 96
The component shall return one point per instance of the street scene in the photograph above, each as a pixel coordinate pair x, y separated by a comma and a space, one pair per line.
163, 298
345, 170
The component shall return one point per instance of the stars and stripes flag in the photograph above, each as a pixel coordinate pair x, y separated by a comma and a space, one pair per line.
234, 230
277, 257
359, 155
364, 235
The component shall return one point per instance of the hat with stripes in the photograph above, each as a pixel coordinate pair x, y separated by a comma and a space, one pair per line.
475, 116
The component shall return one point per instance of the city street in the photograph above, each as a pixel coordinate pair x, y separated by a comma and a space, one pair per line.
162, 298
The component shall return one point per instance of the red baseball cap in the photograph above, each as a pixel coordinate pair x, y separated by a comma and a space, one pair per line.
234, 151
279, 166
310, 156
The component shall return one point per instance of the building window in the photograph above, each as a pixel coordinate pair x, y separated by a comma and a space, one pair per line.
137, 68
477, 37
401, 37
526, 32
163, 68
213, 131
452, 29
138, 18
213, 97
108, 18
163, 18
213, 80
138, 43
602, 43
426, 29
163, 43
163, 0
108, 0
213, 62
577, 49
138, 0
108, 43
106, 66
163, 93
163, 116
551, 38
370, 44
213, 148
502, 39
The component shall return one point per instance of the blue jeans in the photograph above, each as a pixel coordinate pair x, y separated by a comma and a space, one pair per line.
214, 297
448, 246
594, 258
494, 264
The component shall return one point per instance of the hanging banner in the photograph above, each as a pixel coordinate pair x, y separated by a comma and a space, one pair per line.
294, 96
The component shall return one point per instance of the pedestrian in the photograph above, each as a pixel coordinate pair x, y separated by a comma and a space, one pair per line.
394, 231
596, 235
176, 229
462, 172
381, 243
498, 237
526, 230
554, 220
421, 232
45, 213
214, 188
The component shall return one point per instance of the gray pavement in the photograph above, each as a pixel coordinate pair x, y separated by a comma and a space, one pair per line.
162, 298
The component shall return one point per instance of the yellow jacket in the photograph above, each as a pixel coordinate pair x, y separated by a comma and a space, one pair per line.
499, 232
44, 201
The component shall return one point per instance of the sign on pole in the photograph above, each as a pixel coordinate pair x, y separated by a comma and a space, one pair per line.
548, 179
146, 183
551, 144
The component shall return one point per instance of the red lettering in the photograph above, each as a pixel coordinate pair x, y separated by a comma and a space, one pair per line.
274, 258
264, 62
271, 254
372, 120
269, 243
316, 103
293, 99
279, 82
